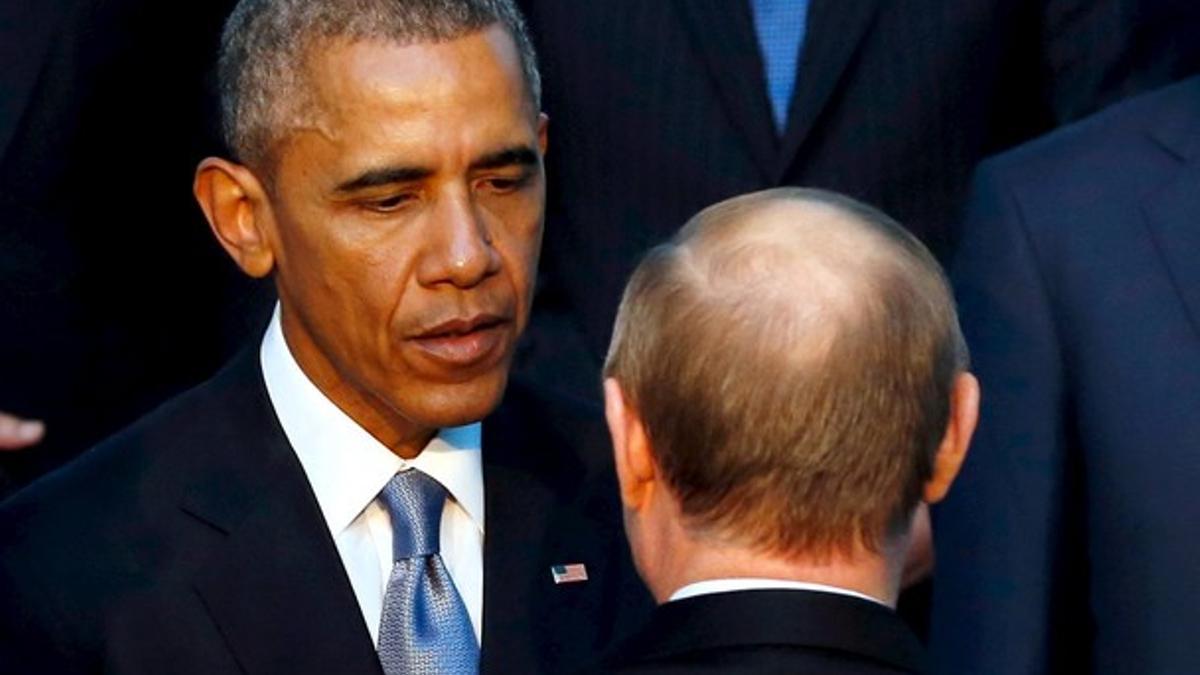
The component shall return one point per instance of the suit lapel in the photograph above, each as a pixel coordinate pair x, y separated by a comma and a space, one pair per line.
543, 509
722, 32
1173, 215
276, 589
26, 31
518, 510
835, 30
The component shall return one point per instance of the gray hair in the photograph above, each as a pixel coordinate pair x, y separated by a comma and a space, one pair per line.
265, 44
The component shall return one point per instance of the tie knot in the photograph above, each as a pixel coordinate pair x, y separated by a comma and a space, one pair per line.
415, 503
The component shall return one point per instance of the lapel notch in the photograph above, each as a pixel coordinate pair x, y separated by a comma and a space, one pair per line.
1173, 215
36, 23
1173, 211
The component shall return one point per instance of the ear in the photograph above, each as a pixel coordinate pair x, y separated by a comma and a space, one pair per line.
543, 127
237, 207
636, 470
964, 413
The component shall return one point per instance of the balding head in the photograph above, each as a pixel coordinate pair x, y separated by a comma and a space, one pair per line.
791, 354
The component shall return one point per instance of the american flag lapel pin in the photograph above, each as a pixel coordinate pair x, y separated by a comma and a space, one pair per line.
569, 574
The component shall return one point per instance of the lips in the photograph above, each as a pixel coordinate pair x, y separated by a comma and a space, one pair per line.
463, 342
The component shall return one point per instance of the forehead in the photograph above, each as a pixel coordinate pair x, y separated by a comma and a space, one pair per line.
368, 96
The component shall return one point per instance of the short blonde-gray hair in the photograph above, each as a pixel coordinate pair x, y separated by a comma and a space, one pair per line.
793, 376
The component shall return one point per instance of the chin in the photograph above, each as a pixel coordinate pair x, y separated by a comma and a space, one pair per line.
451, 405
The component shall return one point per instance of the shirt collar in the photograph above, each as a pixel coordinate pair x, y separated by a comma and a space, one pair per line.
347, 466
710, 586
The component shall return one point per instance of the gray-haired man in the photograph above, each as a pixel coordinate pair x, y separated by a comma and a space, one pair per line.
331, 502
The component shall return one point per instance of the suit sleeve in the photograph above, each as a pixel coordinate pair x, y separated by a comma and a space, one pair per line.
1002, 536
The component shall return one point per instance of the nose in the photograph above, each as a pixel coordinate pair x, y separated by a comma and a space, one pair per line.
462, 253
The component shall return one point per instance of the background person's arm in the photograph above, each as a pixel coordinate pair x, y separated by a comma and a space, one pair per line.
1002, 536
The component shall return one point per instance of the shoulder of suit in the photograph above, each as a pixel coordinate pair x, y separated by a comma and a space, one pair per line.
1158, 126
140, 467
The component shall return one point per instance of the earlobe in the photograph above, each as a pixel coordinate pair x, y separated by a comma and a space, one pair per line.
236, 207
964, 414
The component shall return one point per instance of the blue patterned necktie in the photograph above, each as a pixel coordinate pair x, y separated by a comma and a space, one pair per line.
425, 626
781, 25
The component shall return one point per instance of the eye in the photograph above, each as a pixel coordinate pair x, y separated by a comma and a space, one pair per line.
505, 184
390, 203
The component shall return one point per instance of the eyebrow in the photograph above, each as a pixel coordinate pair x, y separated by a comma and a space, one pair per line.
517, 155
385, 176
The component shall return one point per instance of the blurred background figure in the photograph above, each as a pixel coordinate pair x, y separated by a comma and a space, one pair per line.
786, 384
1069, 545
113, 294
662, 107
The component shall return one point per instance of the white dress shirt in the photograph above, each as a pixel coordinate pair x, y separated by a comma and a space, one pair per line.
347, 467
710, 586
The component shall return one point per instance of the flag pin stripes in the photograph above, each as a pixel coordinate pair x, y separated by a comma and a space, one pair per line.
568, 574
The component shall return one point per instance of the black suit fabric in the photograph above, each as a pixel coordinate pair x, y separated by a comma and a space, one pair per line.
114, 295
1068, 544
192, 543
769, 631
659, 108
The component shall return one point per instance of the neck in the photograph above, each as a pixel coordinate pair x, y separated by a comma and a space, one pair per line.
697, 557
400, 435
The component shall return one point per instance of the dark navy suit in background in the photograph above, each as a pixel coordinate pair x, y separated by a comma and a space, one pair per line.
659, 108
1070, 542
114, 295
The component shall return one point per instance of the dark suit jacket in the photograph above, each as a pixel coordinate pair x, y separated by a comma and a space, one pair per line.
192, 543
659, 108
757, 632
113, 293
1069, 541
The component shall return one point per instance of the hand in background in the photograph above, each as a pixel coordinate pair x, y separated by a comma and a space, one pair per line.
17, 433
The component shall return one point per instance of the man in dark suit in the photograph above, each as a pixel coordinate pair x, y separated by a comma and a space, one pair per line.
321, 505
786, 384
1070, 545
666, 106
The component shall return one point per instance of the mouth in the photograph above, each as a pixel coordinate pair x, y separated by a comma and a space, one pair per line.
463, 342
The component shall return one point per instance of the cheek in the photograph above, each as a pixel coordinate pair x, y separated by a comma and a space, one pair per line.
520, 253
517, 236
377, 299
357, 276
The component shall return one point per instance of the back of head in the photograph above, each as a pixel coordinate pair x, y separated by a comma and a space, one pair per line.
791, 355
266, 45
